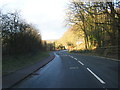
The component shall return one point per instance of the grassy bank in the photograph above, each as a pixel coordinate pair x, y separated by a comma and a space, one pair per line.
12, 63
102, 53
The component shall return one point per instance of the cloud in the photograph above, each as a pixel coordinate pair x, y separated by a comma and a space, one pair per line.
50, 35
48, 15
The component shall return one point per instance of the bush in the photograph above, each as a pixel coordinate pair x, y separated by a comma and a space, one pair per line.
19, 37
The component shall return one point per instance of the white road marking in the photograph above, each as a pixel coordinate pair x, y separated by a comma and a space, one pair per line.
56, 54
71, 56
75, 58
80, 62
96, 76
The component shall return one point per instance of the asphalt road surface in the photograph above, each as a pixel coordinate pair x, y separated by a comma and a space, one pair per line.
68, 70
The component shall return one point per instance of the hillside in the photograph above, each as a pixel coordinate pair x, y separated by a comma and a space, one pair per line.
73, 38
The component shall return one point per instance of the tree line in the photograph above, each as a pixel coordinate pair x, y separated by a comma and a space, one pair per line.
100, 22
19, 37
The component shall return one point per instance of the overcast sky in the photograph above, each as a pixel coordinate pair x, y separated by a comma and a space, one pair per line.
47, 15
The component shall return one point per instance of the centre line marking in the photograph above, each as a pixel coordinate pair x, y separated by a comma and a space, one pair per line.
80, 62
75, 58
96, 76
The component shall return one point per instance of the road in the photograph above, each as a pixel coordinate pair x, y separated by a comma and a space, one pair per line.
68, 70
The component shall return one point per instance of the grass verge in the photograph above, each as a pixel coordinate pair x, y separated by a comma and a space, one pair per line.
93, 53
12, 63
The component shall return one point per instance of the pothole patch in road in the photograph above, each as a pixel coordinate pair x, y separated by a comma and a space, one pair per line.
73, 67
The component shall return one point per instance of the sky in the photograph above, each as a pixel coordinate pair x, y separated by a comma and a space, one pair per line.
47, 15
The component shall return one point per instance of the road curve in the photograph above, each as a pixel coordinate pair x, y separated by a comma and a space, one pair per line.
74, 71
